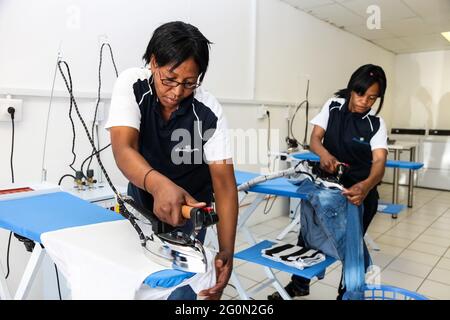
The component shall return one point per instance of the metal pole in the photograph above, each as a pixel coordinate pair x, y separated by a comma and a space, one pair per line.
395, 182
412, 158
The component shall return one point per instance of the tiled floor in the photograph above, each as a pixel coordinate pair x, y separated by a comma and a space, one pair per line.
414, 253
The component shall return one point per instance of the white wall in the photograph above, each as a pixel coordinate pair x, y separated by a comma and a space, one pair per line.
422, 90
289, 48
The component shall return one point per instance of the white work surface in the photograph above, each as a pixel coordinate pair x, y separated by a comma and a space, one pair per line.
106, 261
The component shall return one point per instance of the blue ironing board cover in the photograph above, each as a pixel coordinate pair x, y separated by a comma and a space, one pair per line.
32, 216
279, 187
389, 163
253, 254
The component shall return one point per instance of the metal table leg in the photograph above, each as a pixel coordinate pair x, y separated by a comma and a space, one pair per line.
395, 181
412, 158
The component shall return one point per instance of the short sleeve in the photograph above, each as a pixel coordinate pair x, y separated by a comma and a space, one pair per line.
124, 111
379, 140
321, 119
218, 146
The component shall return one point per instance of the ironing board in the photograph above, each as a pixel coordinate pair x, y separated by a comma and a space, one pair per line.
33, 216
278, 187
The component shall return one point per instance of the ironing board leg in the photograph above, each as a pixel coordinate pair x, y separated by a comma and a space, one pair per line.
30, 272
240, 290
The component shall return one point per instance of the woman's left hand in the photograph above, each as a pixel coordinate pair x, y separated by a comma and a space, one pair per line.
224, 266
356, 193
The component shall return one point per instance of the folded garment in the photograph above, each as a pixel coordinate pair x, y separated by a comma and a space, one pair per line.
293, 256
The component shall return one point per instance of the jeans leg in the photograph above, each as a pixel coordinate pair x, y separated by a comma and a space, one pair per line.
183, 293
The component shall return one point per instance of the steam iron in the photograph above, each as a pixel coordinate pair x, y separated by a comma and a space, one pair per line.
168, 246
332, 181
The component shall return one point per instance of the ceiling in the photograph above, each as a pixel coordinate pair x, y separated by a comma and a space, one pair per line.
406, 25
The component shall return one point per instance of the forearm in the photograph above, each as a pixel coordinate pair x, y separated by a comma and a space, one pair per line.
227, 209
376, 174
317, 147
133, 166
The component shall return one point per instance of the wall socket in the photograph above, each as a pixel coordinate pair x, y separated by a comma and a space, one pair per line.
261, 112
9, 102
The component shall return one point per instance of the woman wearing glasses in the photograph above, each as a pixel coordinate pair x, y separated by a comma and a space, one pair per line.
169, 138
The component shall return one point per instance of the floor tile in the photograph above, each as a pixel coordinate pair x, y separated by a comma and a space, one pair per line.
440, 275
381, 259
401, 280
419, 257
321, 291
435, 290
332, 278
245, 283
388, 249
440, 241
437, 233
394, 241
444, 263
252, 271
410, 235
410, 267
427, 248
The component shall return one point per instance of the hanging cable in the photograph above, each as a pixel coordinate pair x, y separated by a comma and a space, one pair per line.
305, 144
92, 155
121, 200
98, 92
43, 169
291, 123
7, 255
11, 111
73, 130
57, 281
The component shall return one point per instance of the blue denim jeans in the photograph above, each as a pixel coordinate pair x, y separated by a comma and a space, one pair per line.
333, 225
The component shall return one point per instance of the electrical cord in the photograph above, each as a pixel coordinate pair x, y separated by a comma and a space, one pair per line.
7, 255
90, 157
64, 176
73, 132
98, 92
11, 111
306, 103
121, 201
57, 281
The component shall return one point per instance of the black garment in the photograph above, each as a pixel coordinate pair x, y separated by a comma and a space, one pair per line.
347, 137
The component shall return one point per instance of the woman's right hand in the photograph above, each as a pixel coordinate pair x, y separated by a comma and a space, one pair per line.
329, 163
168, 199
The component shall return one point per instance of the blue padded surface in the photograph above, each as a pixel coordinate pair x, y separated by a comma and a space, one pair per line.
32, 216
253, 254
167, 278
389, 163
278, 187
391, 208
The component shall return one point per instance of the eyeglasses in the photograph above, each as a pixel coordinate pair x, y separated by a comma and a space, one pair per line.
186, 85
